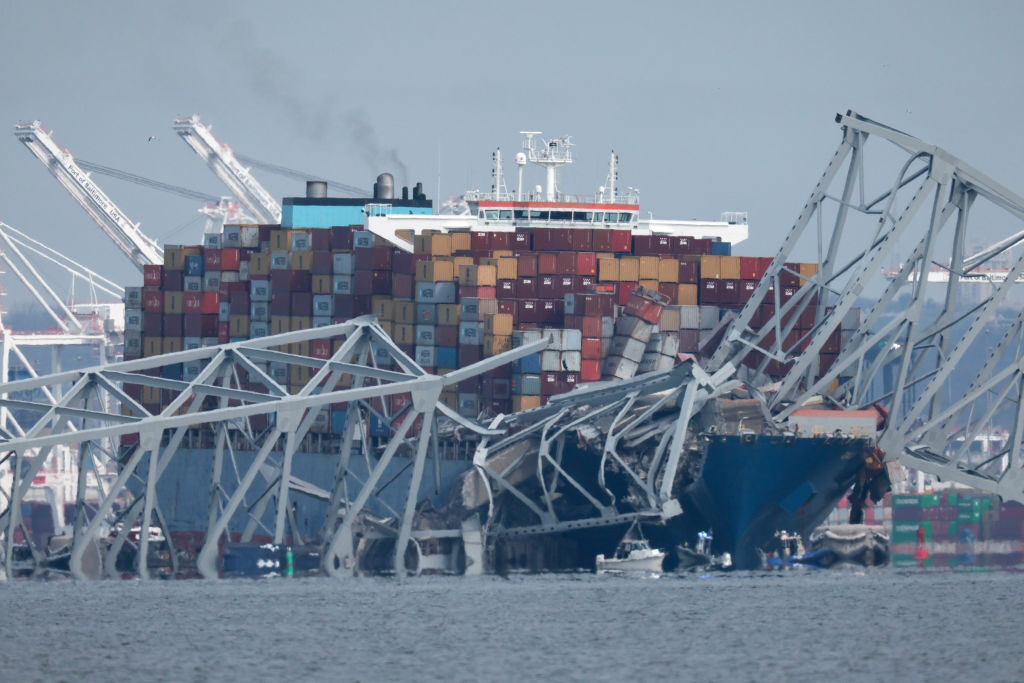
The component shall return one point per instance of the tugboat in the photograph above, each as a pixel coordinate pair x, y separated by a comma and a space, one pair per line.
633, 554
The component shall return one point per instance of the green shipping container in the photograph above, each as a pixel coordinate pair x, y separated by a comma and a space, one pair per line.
929, 500
906, 501
951, 499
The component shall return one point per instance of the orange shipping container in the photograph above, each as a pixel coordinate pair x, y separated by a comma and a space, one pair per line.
508, 268
687, 295
648, 268
521, 403
711, 267
730, 267
629, 269
608, 270
668, 270
807, 270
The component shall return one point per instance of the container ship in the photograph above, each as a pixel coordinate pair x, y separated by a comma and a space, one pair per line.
620, 297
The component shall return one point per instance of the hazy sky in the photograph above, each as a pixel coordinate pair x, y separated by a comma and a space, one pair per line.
711, 107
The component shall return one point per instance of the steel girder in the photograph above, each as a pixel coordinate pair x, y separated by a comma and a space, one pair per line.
902, 349
648, 414
99, 406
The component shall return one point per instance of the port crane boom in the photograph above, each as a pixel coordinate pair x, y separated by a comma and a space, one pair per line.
119, 228
221, 160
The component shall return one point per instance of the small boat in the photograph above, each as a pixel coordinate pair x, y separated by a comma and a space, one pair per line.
633, 554
700, 557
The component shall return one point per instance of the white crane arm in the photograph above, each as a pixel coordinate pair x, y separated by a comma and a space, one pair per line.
225, 166
135, 244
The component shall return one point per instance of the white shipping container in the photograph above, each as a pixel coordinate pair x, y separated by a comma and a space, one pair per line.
689, 317
133, 297
708, 317
133, 319
627, 347
343, 264
192, 343
551, 361
250, 237
571, 361
616, 367
426, 356
342, 284
572, 340
631, 326
193, 283
524, 337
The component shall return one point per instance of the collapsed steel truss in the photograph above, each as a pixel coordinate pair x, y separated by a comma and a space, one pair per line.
219, 399
921, 214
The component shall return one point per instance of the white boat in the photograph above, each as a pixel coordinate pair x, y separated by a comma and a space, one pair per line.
632, 555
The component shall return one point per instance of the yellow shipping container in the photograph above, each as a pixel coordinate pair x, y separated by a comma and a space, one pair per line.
450, 400
279, 324
730, 267
300, 260
494, 344
259, 264
322, 284
150, 395
521, 403
608, 270
173, 344
465, 274
388, 327
298, 375
300, 348
508, 268
502, 253
486, 276
440, 245
404, 312
279, 240
648, 268
152, 346
174, 258
404, 334
499, 324
383, 307
448, 314
300, 322
668, 270
686, 295
629, 269
174, 302
711, 267
461, 261
807, 270
461, 241
238, 325
649, 284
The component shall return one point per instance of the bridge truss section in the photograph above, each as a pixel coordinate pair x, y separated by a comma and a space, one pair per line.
233, 386
902, 336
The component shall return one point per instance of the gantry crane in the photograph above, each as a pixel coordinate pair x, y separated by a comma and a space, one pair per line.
221, 160
125, 234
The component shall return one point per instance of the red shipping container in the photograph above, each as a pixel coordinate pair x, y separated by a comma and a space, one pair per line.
362, 305
479, 292
586, 263
402, 285
590, 370
585, 283
239, 303
708, 294
526, 311
669, 289
174, 281
211, 259
153, 324
344, 307
230, 259
645, 309
323, 261
506, 289
591, 347
522, 239
320, 348
447, 335
682, 245
546, 288
501, 240
552, 313
747, 288
526, 287
590, 326
550, 383
622, 241
381, 282
565, 263
152, 301
790, 279
362, 282
602, 240
320, 240
403, 262
301, 303
623, 290
582, 239
152, 275
511, 307
750, 267
469, 354
728, 291
547, 264
223, 333
341, 237
480, 241
641, 245
689, 272
567, 284
661, 244
701, 246
527, 266
380, 258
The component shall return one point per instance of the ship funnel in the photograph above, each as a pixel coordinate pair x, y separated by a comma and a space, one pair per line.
384, 188
316, 189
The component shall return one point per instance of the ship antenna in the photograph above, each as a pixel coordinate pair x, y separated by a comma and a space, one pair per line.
613, 175
499, 189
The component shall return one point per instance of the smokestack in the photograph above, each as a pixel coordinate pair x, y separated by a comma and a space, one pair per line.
384, 188
316, 189
405, 192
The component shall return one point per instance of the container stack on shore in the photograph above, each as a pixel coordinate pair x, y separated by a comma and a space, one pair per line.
613, 304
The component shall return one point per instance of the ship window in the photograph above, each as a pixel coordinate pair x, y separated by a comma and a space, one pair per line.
611, 217
625, 218
505, 214
539, 215
561, 215
598, 216
521, 214
491, 214
585, 216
